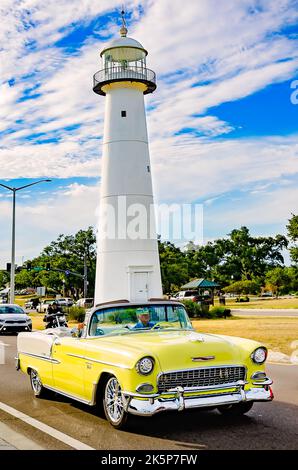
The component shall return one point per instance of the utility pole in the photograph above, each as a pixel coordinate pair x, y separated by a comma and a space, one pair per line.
13, 236
85, 276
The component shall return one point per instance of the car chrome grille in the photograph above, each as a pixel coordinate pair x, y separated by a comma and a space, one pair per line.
203, 377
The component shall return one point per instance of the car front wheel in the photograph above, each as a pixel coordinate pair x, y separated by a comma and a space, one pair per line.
113, 404
236, 410
36, 384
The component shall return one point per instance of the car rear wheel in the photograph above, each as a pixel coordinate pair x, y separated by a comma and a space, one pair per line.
36, 384
113, 403
236, 410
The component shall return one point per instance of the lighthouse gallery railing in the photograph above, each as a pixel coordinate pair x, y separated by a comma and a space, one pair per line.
108, 74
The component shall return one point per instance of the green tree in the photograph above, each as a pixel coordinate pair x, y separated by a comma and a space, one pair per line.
243, 287
278, 280
67, 253
292, 228
174, 268
4, 279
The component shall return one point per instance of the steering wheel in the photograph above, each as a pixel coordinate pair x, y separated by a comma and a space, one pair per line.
163, 324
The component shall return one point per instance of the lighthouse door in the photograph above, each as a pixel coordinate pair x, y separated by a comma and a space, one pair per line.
140, 286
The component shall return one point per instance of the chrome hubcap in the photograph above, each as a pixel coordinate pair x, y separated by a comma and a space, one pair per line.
113, 400
35, 380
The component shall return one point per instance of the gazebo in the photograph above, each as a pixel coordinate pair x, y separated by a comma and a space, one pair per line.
204, 287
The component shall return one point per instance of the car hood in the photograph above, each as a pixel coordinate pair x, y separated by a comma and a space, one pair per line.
180, 349
14, 316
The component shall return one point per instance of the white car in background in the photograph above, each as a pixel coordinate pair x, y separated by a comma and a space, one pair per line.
85, 302
14, 319
186, 295
44, 305
64, 302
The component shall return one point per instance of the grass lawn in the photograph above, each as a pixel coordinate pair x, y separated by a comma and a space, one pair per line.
277, 333
262, 303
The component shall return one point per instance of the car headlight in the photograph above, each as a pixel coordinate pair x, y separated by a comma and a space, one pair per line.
259, 355
145, 365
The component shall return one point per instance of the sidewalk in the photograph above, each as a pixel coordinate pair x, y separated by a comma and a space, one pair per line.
5, 446
13, 440
268, 312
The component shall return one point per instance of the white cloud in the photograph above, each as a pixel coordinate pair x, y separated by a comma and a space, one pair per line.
40, 222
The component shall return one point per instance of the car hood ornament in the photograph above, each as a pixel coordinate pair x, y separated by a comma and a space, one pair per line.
196, 337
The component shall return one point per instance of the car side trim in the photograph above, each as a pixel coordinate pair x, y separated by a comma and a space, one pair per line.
68, 395
43, 358
121, 366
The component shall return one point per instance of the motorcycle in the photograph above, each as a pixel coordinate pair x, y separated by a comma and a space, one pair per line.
55, 320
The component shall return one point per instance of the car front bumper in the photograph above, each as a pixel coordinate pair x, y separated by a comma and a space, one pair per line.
15, 327
149, 406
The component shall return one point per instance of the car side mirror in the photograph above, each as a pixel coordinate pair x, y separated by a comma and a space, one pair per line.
57, 341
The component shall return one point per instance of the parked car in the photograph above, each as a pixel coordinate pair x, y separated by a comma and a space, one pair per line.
144, 359
85, 302
64, 302
32, 303
186, 295
44, 305
13, 319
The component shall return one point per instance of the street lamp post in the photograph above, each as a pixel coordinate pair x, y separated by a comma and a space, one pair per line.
13, 237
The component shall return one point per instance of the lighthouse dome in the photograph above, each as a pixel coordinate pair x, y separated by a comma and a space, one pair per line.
124, 48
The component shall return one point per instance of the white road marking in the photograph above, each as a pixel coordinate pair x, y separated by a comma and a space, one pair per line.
60, 436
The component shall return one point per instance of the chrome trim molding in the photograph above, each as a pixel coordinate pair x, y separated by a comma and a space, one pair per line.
86, 358
179, 402
202, 358
43, 358
68, 395
267, 381
172, 391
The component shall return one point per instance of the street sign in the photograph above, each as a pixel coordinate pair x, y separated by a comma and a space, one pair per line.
41, 291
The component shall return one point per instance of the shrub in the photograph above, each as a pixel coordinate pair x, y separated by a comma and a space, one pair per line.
76, 313
220, 312
193, 309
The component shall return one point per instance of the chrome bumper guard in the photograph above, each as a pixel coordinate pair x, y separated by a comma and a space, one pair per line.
149, 405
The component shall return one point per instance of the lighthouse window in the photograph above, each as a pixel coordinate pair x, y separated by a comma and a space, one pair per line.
123, 113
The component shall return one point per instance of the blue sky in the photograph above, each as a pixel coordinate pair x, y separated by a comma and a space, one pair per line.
222, 127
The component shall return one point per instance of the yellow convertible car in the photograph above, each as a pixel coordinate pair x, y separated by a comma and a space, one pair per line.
145, 359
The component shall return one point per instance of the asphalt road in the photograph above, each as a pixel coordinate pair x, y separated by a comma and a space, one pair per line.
267, 426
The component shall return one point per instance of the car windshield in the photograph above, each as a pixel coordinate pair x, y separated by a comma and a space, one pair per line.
137, 319
10, 309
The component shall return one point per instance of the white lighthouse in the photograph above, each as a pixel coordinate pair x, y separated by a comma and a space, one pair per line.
127, 256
